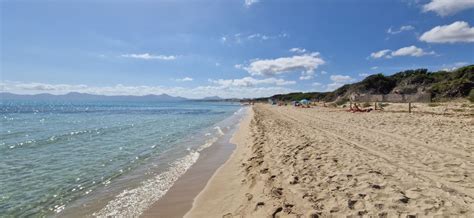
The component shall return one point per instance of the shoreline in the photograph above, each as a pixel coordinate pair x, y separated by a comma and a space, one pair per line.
180, 197
223, 186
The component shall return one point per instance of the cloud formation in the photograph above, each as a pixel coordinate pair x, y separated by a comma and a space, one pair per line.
298, 50
249, 3
185, 79
318, 87
379, 54
258, 36
271, 67
453, 67
240, 38
401, 29
307, 75
196, 92
458, 31
405, 51
147, 56
251, 82
411, 51
338, 81
340, 78
448, 7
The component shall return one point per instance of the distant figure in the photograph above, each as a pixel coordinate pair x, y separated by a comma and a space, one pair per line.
355, 108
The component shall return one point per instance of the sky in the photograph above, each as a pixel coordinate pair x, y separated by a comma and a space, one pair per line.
226, 48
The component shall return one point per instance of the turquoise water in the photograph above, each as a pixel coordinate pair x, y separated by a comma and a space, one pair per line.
54, 154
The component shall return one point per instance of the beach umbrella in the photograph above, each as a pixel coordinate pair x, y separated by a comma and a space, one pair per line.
304, 101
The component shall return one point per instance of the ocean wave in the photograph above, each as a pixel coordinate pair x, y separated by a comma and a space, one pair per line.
133, 202
219, 130
67, 136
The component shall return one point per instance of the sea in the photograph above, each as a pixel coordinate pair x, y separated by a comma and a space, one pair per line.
96, 159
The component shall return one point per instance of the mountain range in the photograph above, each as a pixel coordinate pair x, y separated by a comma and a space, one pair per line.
90, 97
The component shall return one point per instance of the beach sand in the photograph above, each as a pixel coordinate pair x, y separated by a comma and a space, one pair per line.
294, 162
179, 198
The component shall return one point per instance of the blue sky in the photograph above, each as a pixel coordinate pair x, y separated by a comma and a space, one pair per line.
234, 48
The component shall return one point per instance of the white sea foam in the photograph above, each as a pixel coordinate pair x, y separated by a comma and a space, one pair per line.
219, 130
208, 143
133, 202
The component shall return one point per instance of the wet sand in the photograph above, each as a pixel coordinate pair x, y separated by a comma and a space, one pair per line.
294, 162
179, 198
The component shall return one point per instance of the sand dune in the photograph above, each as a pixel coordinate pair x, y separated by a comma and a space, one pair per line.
293, 162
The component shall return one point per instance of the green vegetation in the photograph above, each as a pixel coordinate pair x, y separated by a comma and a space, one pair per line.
342, 101
434, 104
366, 104
442, 85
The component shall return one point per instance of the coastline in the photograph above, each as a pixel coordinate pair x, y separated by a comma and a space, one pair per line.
179, 198
223, 187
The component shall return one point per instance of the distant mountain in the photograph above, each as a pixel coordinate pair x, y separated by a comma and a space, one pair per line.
75, 96
212, 98
442, 85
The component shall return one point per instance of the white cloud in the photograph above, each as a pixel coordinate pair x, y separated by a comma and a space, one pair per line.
239, 66
258, 36
448, 7
333, 86
271, 67
250, 82
298, 50
380, 54
405, 51
324, 72
185, 79
341, 78
458, 31
364, 74
374, 68
240, 38
411, 51
218, 64
453, 67
249, 3
401, 29
196, 92
318, 87
47, 87
338, 81
147, 56
307, 75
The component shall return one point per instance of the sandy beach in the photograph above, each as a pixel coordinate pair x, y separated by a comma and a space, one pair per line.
295, 162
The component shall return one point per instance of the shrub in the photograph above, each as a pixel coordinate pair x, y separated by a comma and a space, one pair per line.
366, 104
341, 101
